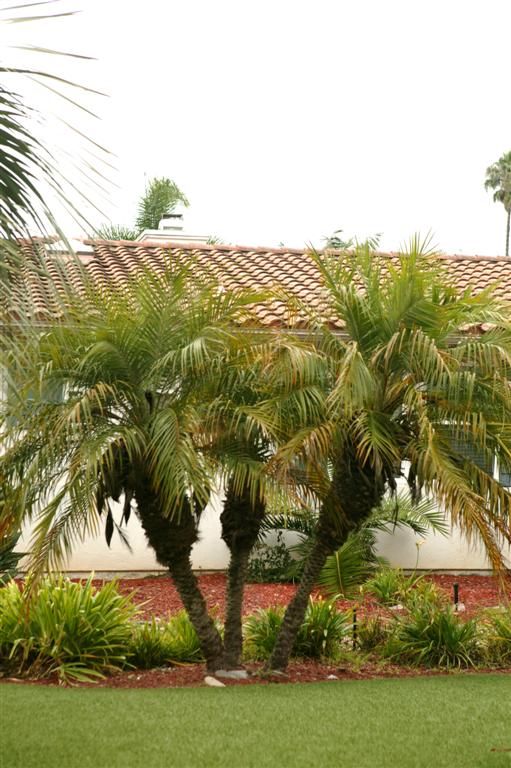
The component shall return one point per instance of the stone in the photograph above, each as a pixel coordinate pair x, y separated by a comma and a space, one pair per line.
232, 674
332, 677
213, 682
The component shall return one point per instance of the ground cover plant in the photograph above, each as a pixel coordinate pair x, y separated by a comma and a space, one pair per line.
419, 722
70, 632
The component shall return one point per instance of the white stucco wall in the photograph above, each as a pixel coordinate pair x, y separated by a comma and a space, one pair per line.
210, 553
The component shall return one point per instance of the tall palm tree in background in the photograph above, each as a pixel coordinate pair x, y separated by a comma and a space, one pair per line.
404, 384
134, 366
498, 178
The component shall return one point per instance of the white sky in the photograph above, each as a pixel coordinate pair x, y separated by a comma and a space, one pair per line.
285, 120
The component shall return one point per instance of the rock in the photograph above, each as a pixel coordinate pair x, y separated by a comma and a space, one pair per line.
459, 607
332, 677
213, 682
232, 674
397, 607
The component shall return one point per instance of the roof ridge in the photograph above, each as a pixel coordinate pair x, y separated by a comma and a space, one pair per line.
194, 246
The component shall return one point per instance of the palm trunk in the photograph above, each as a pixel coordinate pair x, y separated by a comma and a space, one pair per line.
233, 633
507, 231
241, 522
172, 539
353, 493
188, 589
295, 611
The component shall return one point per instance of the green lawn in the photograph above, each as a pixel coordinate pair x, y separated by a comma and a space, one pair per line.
432, 722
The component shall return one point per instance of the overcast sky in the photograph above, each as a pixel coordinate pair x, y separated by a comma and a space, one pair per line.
283, 121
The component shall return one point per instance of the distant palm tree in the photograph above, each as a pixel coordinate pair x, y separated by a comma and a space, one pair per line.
498, 178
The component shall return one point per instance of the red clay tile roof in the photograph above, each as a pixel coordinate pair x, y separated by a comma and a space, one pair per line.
113, 262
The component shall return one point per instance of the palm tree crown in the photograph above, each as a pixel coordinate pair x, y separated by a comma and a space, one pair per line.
498, 178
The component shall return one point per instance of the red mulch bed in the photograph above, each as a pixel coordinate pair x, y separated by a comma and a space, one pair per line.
159, 598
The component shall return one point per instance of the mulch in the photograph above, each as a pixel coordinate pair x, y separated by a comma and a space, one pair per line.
158, 597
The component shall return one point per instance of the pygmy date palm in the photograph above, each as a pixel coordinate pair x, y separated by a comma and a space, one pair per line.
412, 379
132, 365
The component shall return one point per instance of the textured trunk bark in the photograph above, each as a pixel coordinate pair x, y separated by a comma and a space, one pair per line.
233, 633
241, 522
295, 611
172, 540
354, 491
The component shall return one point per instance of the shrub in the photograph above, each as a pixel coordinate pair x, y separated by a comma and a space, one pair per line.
425, 593
390, 586
322, 631
372, 633
182, 638
76, 630
148, 646
320, 634
157, 643
260, 632
433, 636
496, 636
270, 562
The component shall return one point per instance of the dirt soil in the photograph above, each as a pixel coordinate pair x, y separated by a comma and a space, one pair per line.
158, 597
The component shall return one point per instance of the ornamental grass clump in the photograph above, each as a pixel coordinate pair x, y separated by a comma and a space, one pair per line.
75, 630
260, 632
158, 643
320, 635
435, 637
322, 631
496, 636
390, 586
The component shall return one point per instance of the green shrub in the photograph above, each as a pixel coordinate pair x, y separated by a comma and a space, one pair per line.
182, 638
260, 632
496, 636
76, 630
148, 646
322, 631
158, 643
320, 634
435, 637
372, 634
423, 593
390, 586
270, 563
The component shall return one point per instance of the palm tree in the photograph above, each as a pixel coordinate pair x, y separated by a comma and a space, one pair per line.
160, 198
404, 384
109, 404
498, 178
253, 403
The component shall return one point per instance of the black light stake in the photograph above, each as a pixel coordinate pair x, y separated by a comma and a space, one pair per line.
456, 588
354, 627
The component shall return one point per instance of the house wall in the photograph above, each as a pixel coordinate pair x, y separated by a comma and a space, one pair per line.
402, 548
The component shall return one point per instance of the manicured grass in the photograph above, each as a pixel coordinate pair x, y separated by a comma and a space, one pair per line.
450, 721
